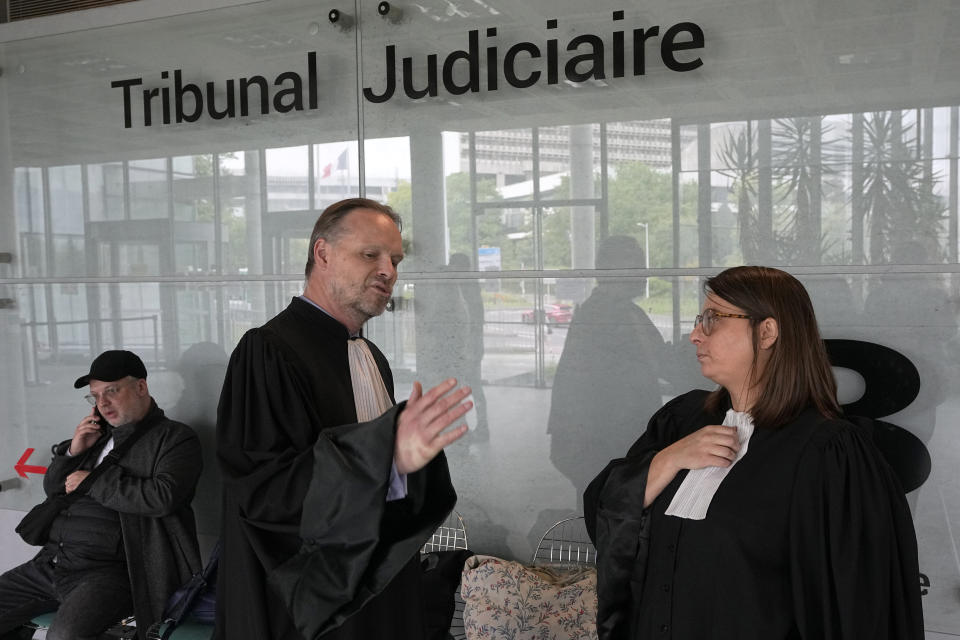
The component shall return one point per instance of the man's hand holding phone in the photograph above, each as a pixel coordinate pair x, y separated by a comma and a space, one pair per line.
86, 433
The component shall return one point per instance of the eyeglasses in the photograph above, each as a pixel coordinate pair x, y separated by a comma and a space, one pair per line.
708, 320
106, 394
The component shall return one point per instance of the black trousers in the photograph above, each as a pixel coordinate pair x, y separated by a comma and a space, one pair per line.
87, 601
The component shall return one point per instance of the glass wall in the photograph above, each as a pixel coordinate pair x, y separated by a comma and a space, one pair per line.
567, 175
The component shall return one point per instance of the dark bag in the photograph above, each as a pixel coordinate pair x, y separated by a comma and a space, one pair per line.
35, 526
196, 600
440, 584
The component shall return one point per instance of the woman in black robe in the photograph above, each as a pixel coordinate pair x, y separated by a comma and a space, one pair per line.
754, 511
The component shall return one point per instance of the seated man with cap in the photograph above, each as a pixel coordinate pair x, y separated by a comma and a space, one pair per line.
128, 540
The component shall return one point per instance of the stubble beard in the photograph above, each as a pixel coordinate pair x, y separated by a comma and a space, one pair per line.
372, 307
363, 302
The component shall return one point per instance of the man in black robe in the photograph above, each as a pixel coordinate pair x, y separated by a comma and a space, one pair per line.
327, 499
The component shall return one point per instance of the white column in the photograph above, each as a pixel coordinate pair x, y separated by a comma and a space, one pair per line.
13, 427
583, 219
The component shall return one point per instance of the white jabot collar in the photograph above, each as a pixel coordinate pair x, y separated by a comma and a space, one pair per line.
692, 499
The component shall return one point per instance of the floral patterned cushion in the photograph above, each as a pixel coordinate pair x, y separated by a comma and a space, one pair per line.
506, 600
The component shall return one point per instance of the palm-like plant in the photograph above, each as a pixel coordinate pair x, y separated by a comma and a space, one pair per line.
802, 157
898, 193
740, 162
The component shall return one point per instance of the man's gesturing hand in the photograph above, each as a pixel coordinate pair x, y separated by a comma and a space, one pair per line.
420, 427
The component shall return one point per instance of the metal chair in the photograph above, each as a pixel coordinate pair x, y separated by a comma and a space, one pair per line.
450, 535
566, 543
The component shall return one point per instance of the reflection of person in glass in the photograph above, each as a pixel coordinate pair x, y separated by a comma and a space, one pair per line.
202, 367
608, 374
330, 488
916, 317
754, 511
450, 313
469, 340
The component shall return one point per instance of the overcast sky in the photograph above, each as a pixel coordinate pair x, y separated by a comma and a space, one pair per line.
385, 158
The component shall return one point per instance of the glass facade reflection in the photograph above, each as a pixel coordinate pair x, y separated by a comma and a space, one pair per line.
557, 234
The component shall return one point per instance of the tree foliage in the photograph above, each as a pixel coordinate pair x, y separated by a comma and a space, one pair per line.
639, 194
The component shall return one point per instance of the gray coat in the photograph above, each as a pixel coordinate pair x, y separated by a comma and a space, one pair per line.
151, 488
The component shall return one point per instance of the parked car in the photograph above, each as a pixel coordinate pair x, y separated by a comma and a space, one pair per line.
552, 314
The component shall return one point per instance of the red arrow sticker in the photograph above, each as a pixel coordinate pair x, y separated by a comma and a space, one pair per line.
23, 469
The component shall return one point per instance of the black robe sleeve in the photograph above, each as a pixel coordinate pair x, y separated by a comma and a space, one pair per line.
265, 453
617, 521
853, 549
354, 542
266, 429
309, 501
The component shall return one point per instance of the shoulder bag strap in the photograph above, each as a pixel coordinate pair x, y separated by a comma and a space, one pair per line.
116, 453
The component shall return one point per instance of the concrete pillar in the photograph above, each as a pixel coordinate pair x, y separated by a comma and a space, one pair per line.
583, 239
13, 427
253, 216
429, 251
428, 195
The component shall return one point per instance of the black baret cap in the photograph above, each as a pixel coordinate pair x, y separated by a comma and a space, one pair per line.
113, 365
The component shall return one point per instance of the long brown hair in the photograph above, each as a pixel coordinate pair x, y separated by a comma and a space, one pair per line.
797, 374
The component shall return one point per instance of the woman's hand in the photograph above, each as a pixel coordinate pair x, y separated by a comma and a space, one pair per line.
712, 446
